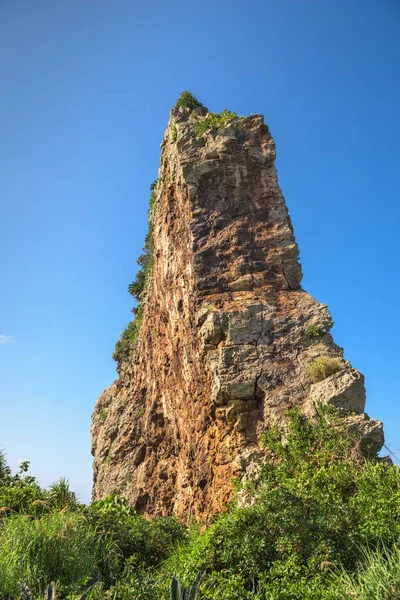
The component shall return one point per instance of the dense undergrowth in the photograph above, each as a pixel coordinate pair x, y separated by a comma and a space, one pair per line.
324, 523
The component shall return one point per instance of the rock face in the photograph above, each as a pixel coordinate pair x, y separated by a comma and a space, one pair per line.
227, 333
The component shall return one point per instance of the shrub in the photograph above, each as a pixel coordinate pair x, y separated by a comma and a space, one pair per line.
214, 120
103, 415
174, 133
145, 262
126, 343
322, 367
314, 331
187, 100
20, 493
153, 197
318, 502
144, 542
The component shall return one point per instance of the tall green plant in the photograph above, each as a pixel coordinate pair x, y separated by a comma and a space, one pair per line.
61, 496
377, 578
57, 547
178, 592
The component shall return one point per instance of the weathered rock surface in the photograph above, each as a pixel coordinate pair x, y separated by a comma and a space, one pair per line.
223, 349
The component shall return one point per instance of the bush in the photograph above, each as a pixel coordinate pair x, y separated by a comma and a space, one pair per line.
214, 120
145, 261
144, 542
314, 331
20, 493
126, 343
323, 367
187, 100
319, 501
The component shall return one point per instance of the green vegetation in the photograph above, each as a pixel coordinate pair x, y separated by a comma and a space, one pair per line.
174, 133
187, 100
180, 593
314, 331
217, 120
126, 343
47, 535
103, 415
378, 578
322, 367
319, 504
37, 551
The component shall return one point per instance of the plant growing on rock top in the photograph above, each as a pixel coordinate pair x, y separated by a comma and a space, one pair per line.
322, 367
187, 100
217, 120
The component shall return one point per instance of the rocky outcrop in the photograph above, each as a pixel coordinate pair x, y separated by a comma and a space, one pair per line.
227, 334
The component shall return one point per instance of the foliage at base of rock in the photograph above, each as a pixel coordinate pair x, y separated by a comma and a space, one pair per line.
318, 503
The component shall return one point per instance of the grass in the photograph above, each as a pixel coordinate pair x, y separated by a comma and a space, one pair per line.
57, 547
322, 367
378, 577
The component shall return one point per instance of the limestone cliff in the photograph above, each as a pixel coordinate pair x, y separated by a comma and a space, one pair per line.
227, 336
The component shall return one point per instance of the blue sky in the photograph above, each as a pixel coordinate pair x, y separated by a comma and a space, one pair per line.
86, 90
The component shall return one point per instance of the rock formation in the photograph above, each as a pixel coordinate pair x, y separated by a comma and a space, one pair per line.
227, 335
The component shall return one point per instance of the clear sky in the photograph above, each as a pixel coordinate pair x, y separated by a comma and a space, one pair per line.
86, 90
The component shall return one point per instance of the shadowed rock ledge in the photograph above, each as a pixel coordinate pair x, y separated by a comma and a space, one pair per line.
228, 333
